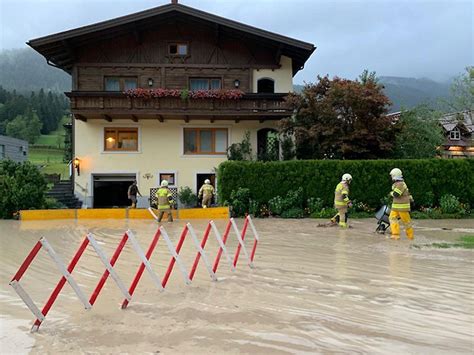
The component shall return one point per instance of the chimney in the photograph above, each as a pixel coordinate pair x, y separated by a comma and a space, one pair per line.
174, 2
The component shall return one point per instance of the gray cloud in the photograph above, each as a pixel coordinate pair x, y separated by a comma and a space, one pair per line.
402, 38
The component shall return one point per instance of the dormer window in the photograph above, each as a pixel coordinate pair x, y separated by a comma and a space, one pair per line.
455, 134
178, 49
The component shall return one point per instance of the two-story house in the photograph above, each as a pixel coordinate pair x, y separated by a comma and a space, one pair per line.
458, 129
162, 93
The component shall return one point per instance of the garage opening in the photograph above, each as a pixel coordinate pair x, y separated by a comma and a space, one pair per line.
110, 191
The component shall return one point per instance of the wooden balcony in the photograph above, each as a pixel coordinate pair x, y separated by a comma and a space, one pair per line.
117, 105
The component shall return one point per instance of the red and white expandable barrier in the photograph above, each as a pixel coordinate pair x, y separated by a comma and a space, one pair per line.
145, 264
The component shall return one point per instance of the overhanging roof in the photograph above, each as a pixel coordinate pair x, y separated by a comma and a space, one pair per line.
58, 48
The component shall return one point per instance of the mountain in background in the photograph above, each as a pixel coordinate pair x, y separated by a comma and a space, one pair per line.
24, 70
410, 92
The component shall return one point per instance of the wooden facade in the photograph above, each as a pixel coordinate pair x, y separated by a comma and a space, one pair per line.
140, 48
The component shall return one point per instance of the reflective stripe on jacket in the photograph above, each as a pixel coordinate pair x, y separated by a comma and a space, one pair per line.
206, 190
402, 202
341, 195
164, 196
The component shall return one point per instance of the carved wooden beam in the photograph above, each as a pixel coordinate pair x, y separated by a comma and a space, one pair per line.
160, 118
107, 118
134, 118
186, 119
80, 117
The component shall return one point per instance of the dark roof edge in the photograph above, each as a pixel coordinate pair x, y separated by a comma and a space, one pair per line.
162, 10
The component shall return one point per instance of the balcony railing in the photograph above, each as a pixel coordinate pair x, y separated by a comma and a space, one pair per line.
110, 103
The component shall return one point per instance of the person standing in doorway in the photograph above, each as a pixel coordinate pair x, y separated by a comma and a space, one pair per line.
132, 193
207, 193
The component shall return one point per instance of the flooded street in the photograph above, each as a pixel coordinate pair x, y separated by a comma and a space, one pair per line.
313, 290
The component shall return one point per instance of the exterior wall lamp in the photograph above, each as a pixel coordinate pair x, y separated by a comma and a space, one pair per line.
77, 165
150, 82
236, 83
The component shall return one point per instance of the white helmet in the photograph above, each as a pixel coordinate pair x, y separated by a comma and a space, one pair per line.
346, 177
164, 183
207, 181
396, 174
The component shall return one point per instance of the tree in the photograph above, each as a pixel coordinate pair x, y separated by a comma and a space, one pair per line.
419, 133
22, 187
462, 91
340, 119
27, 127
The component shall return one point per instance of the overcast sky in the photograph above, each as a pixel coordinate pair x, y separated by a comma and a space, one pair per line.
414, 38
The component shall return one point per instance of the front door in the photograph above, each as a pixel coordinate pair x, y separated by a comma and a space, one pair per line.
200, 178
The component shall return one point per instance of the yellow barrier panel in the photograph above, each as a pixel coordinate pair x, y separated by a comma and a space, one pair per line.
121, 213
40, 215
145, 214
106, 213
204, 213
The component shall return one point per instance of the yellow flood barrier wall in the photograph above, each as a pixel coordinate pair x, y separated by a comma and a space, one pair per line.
122, 213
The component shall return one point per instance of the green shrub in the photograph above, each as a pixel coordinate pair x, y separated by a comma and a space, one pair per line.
427, 179
187, 197
450, 204
52, 204
22, 187
315, 204
254, 208
240, 202
324, 213
275, 205
293, 212
241, 151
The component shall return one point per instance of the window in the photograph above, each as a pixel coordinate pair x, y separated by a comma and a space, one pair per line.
2, 151
170, 177
205, 140
179, 49
266, 86
455, 134
121, 139
114, 83
205, 84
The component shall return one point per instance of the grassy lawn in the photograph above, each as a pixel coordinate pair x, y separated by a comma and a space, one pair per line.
54, 138
50, 161
465, 242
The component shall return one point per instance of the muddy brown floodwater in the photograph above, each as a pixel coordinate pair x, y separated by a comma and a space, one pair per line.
313, 290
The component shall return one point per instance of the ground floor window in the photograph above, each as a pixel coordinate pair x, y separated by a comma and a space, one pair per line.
170, 177
205, 140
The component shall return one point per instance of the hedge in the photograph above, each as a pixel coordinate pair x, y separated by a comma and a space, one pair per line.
427, 179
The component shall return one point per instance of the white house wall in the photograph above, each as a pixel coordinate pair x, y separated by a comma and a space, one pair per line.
160, 149
283, 77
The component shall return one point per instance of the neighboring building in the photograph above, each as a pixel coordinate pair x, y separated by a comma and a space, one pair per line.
13, 148
459, 133
118, 137
458, 130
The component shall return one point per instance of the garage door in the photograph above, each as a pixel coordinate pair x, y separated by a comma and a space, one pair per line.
110, 190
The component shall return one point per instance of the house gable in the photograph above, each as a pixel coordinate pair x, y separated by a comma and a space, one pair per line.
139, 31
